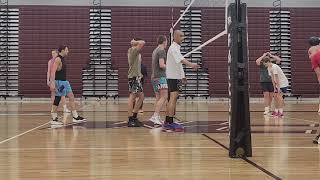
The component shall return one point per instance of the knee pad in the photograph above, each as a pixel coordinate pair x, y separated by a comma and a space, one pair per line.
57, 100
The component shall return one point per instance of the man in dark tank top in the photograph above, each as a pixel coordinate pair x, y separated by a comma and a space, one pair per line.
61, 86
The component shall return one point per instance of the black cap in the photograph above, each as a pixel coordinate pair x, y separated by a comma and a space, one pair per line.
313, 41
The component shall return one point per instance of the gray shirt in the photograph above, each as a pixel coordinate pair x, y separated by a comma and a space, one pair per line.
158, 54
264, 74
134, 60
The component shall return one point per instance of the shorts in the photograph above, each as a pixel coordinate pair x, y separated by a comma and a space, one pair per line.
159, 83
267, 87
174, 85
135, 85
62, 88
284, 89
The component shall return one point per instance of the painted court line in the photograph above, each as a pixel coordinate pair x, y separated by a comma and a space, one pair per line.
247, 160
144, 148
16, 136
26, 114
122, 122
303, 120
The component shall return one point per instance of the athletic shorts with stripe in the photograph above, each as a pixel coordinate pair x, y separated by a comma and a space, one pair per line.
159, 83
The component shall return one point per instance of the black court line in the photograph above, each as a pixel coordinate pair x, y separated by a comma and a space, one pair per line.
246, 160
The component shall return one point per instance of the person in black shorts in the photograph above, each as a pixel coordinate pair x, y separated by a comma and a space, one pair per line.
266, 81
134, 81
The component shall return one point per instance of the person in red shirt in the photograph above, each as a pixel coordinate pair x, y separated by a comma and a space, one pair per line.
314, 55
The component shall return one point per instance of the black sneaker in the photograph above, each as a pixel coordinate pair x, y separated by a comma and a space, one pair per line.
134, 122
79, 119
316, 140
56, 122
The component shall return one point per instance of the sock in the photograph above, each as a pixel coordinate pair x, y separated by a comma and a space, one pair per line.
65, 107
169, 120
75, 114
134, 115
266, 109
276, 110
155, 114
54, 115
280, 110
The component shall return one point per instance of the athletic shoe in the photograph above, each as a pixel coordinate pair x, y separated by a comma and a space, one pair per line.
156, 120
280, 115
56, 122
79, 119
266, 112
316, 140
134, 122
173, 127
66, 110
274, 114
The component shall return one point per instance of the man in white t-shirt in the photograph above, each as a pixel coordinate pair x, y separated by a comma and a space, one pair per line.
280, 84
175, 78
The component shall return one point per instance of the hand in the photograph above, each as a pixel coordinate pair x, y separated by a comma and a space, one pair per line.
276, 90
52, 86
48, 82
184, 80
195, 66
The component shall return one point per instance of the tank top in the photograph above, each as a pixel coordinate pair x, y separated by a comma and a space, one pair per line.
62, 74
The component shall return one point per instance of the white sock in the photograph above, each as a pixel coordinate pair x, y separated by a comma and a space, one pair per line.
54, 115
281, 110
276, 110
65, 107
266, 109
75, 114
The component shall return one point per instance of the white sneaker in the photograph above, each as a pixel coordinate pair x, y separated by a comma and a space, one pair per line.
56, 122
266, 112
66, 110
156, 120
79, 119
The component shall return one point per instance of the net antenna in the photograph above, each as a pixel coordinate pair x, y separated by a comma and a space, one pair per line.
177, 22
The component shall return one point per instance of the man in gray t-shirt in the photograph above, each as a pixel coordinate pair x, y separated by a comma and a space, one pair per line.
266, 81
158, 54
158, 78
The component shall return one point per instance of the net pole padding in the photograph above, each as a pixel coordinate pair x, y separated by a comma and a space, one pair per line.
206, 43
185, 11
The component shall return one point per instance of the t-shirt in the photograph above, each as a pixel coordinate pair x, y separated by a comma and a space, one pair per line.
134, 60
158, 54
275, 69
315, 60
174, 68
264, 74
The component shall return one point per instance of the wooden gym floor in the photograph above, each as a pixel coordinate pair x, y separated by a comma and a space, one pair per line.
104, 148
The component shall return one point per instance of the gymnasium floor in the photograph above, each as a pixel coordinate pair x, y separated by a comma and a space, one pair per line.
104, 148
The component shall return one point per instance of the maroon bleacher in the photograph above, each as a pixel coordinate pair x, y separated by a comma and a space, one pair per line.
43, 28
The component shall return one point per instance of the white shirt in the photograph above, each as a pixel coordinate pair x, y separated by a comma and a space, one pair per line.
174, 68
275, 69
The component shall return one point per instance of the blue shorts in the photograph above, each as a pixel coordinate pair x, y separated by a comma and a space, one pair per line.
62, 88
159, 83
